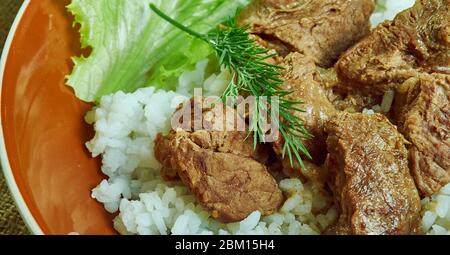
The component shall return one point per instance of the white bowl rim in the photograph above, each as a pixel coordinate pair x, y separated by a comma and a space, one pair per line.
24, 211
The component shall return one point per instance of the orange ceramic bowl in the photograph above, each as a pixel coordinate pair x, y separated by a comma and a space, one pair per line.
49, 171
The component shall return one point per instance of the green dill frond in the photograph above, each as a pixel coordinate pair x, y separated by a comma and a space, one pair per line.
253, 76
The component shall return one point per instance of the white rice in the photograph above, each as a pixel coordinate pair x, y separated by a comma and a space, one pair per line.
436, 213
126, 126
385, 106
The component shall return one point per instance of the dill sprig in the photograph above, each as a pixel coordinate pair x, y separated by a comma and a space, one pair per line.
252, 75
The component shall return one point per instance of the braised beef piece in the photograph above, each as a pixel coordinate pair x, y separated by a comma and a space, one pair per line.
344, 100
301, 77
313, 87
276, 46
220, 168
417, 40
226, 142
370, 179
321, 29
422, 111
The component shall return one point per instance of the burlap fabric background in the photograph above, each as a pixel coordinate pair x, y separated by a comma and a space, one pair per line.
10, 221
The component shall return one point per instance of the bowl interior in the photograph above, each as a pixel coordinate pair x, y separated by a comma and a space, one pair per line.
43, 125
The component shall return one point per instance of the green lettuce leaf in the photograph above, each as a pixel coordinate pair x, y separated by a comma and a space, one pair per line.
132, 47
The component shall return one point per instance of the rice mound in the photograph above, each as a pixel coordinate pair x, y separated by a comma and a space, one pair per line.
126, 126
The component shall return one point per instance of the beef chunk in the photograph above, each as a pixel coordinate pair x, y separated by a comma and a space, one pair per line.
275, 46
371, 182
321, 29
422, 110
226, 142
344, 100
417, 40
303, 80
221, 141
220, 168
